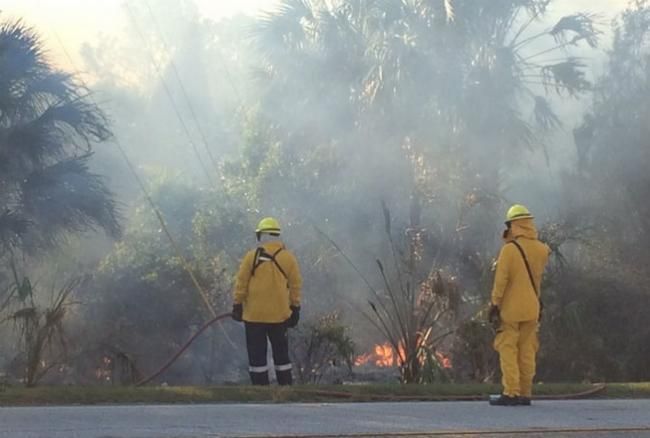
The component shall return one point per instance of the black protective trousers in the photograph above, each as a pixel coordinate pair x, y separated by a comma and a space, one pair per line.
257, 334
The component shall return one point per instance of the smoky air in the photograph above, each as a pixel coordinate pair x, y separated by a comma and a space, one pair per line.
388, 139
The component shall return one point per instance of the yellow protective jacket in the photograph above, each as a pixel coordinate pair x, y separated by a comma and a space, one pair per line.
513, 291
267, 294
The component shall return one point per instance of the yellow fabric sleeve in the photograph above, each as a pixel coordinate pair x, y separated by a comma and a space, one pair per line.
243, 278
295, 283
501, 275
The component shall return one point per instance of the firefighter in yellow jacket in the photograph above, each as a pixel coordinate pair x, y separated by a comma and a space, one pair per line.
516, 306
267, 298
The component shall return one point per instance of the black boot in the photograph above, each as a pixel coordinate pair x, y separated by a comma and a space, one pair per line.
259, 378
284, 377
504, 400
524, 401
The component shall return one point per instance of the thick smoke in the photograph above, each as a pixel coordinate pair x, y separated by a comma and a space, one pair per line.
317, 112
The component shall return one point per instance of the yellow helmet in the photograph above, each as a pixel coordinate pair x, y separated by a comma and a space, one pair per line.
517, 212
268, 225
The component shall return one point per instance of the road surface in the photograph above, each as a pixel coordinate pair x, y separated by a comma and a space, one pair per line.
614, 418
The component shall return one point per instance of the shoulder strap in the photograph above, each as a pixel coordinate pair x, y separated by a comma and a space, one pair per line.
262, 256
256, 260
277, 265
530, 273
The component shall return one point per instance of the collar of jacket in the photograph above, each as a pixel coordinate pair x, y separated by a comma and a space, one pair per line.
272, 245
524, 228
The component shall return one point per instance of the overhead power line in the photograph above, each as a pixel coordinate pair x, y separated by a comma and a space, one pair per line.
167, 90
188, 101
175, 247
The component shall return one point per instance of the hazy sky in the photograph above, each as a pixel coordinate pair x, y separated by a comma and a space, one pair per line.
76, 21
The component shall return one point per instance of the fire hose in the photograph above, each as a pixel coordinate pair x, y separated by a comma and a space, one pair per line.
596, 389
552, 431
347, 395
184, 347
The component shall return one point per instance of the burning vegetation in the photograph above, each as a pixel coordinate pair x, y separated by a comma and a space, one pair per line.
383, 356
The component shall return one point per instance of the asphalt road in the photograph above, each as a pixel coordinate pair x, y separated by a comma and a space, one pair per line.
616, 418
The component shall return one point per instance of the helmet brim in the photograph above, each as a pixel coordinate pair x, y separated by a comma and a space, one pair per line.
520, 217
268, 230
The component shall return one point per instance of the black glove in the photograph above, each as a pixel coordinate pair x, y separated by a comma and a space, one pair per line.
294, 318
494, 316
237, 312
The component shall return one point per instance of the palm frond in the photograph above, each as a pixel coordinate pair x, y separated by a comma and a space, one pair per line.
572, 29
20, 40
67, 197
536, 10
537, 7
47, 128
283, 28
568, 75
58, 130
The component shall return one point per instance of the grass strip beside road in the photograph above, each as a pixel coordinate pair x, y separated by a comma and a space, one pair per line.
91, 395
627, 390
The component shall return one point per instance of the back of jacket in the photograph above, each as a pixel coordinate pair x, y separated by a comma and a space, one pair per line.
513, 291
267, 294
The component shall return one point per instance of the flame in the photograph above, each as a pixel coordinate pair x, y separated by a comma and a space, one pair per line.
362, 360
383, 355
443, 360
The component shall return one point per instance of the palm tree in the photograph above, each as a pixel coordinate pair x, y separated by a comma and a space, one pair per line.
48, 125
453, 57
463, 83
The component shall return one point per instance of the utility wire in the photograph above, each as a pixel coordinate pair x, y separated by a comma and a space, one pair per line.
176, 248
182, 87
158, 69
229, 78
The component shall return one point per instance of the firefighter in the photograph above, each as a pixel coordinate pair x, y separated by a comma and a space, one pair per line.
516, 307
267, 298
